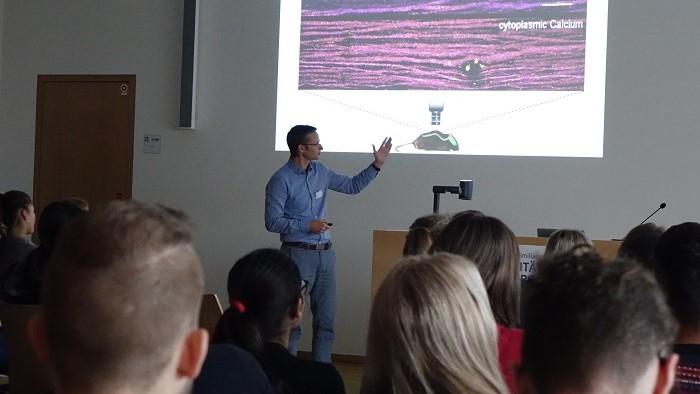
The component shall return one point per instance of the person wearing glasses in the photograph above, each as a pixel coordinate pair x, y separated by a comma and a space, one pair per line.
266, 296
295, 207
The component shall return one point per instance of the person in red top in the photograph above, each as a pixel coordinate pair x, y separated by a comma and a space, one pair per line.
491, 245
510, 343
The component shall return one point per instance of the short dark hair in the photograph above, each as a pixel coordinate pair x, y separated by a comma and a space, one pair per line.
645, 228
12, 202
123, 286
3, 229
639, 244
678, 268
587, 320
296, 136
52, 219
492, 246
265, 284
79, 202
24, 281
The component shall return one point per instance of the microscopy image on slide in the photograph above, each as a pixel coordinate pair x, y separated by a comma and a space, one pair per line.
442, 45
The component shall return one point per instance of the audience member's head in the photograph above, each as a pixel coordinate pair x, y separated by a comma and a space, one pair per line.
79, 202
121, 302
678, 269
639, 244
492, 246
52, 219
423, 232
563, 240
431, 330
3, 229
17, 213
23, 282
596, 327
266, 296
297, 136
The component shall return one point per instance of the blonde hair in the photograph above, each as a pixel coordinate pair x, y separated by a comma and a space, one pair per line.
431, 330
423, 232
562, 241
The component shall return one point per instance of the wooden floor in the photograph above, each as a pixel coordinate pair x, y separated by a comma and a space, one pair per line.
352, 376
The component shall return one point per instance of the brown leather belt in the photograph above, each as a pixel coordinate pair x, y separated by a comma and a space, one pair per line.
304, 245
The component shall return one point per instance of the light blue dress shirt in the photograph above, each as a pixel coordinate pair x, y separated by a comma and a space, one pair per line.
294, 197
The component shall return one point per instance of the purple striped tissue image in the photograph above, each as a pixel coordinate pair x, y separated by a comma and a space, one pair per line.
442, 45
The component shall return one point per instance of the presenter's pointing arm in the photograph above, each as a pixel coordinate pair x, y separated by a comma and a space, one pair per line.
382, 154
344, 184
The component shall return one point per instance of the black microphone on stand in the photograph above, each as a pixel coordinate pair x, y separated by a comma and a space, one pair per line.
662, 206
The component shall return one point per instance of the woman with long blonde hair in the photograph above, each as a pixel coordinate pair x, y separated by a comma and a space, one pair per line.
431, 330
492, 246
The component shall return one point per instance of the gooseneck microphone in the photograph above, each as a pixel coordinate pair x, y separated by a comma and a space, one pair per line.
662, 206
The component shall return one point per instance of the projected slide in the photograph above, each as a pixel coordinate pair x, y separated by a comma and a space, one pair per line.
449, 45
488, 77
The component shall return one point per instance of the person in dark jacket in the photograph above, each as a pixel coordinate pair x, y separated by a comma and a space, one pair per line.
266, 295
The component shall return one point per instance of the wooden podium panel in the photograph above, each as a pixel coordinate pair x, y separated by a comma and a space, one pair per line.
387, 248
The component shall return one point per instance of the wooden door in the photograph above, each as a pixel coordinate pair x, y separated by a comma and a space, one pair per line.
84, 137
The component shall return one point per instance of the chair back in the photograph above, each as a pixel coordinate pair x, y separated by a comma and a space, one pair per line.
27, 374
210, 313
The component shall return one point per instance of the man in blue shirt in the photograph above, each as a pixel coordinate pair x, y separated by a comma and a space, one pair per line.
295, 207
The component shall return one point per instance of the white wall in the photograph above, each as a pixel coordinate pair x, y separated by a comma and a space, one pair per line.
218, 172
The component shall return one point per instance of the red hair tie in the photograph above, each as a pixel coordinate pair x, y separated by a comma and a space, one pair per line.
238, 305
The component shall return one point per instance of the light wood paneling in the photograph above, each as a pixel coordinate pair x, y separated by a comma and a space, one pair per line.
387, 246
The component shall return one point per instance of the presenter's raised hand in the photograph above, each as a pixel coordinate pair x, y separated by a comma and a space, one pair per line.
318, 226
382, 154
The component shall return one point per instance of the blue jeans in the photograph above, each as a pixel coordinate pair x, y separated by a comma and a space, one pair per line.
318, 269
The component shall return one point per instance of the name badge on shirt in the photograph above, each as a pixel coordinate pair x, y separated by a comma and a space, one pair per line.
319, 194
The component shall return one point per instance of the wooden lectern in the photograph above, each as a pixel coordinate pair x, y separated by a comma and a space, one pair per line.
387, 246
